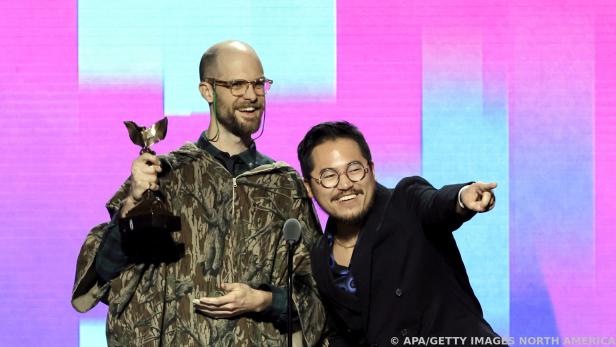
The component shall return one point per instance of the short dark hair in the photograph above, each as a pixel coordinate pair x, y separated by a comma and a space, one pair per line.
329, 131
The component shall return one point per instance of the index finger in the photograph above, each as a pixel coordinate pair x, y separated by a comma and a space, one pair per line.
216, 301
487, 186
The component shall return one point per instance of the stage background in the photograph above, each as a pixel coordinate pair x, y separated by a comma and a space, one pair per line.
519, 92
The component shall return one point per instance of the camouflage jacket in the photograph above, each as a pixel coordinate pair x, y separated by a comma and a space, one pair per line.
231, 231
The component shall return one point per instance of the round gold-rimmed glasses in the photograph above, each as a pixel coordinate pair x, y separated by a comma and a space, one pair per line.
330, 178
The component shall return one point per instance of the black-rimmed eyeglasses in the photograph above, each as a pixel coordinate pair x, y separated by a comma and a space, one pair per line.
355, 172
239, 87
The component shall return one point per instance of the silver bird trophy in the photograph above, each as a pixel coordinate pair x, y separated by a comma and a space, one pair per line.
151, 212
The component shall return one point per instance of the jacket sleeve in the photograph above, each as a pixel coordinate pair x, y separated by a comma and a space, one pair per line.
436, 208
305, 296
110, 258
89, 288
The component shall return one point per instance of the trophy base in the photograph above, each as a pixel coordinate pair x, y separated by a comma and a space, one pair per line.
150, 214
147, 231
147, 238
150, 222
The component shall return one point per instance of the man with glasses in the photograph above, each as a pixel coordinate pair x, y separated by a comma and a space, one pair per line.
227, 286
387, 267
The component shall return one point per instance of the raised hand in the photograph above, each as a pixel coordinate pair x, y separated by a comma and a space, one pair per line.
144, 171
478, 196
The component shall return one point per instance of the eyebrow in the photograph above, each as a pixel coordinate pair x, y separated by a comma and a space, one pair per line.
347, 165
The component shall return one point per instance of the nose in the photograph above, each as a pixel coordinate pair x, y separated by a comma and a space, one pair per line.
344, 183
250, 93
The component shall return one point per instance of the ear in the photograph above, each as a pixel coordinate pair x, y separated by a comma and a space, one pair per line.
371, 166
308, 189
207, 92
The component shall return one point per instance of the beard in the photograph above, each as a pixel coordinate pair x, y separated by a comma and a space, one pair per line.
226, 116
355, 218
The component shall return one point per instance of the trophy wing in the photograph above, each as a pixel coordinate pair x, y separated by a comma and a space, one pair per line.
134, 132
161, 128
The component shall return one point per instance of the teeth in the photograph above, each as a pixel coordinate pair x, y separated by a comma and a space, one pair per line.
247, 109
347, 197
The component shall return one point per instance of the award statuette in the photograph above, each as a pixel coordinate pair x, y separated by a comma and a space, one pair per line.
151, 214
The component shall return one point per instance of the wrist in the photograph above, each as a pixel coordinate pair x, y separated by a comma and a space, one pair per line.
265, 300
460, 192
127, 204
461, 208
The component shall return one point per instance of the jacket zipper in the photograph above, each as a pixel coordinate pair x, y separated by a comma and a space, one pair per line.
257, 170
233, 199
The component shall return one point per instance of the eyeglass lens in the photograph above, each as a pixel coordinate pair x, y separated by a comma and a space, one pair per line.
239, 87
355, 172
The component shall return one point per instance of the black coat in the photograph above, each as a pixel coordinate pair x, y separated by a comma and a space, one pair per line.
409, 275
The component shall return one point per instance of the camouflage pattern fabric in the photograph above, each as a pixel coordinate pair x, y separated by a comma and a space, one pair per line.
232, 232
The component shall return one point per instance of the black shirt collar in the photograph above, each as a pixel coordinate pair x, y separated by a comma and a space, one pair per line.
235, 164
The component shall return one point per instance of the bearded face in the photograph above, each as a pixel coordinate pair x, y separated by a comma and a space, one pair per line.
241, 116
238, 110
349, 200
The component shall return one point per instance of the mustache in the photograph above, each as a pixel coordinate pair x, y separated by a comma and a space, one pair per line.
256, 105
348, 192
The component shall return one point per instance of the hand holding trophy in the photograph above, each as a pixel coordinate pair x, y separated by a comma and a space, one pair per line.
147, 226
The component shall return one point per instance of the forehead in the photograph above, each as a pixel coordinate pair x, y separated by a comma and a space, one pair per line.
336, 154
239, 65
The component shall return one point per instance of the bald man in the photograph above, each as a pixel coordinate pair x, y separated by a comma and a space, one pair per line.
226, 287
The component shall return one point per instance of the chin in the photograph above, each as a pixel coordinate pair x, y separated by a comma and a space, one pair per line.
354, 217
251, 126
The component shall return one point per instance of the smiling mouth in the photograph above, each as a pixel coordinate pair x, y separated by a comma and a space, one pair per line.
346, 198
249, 109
